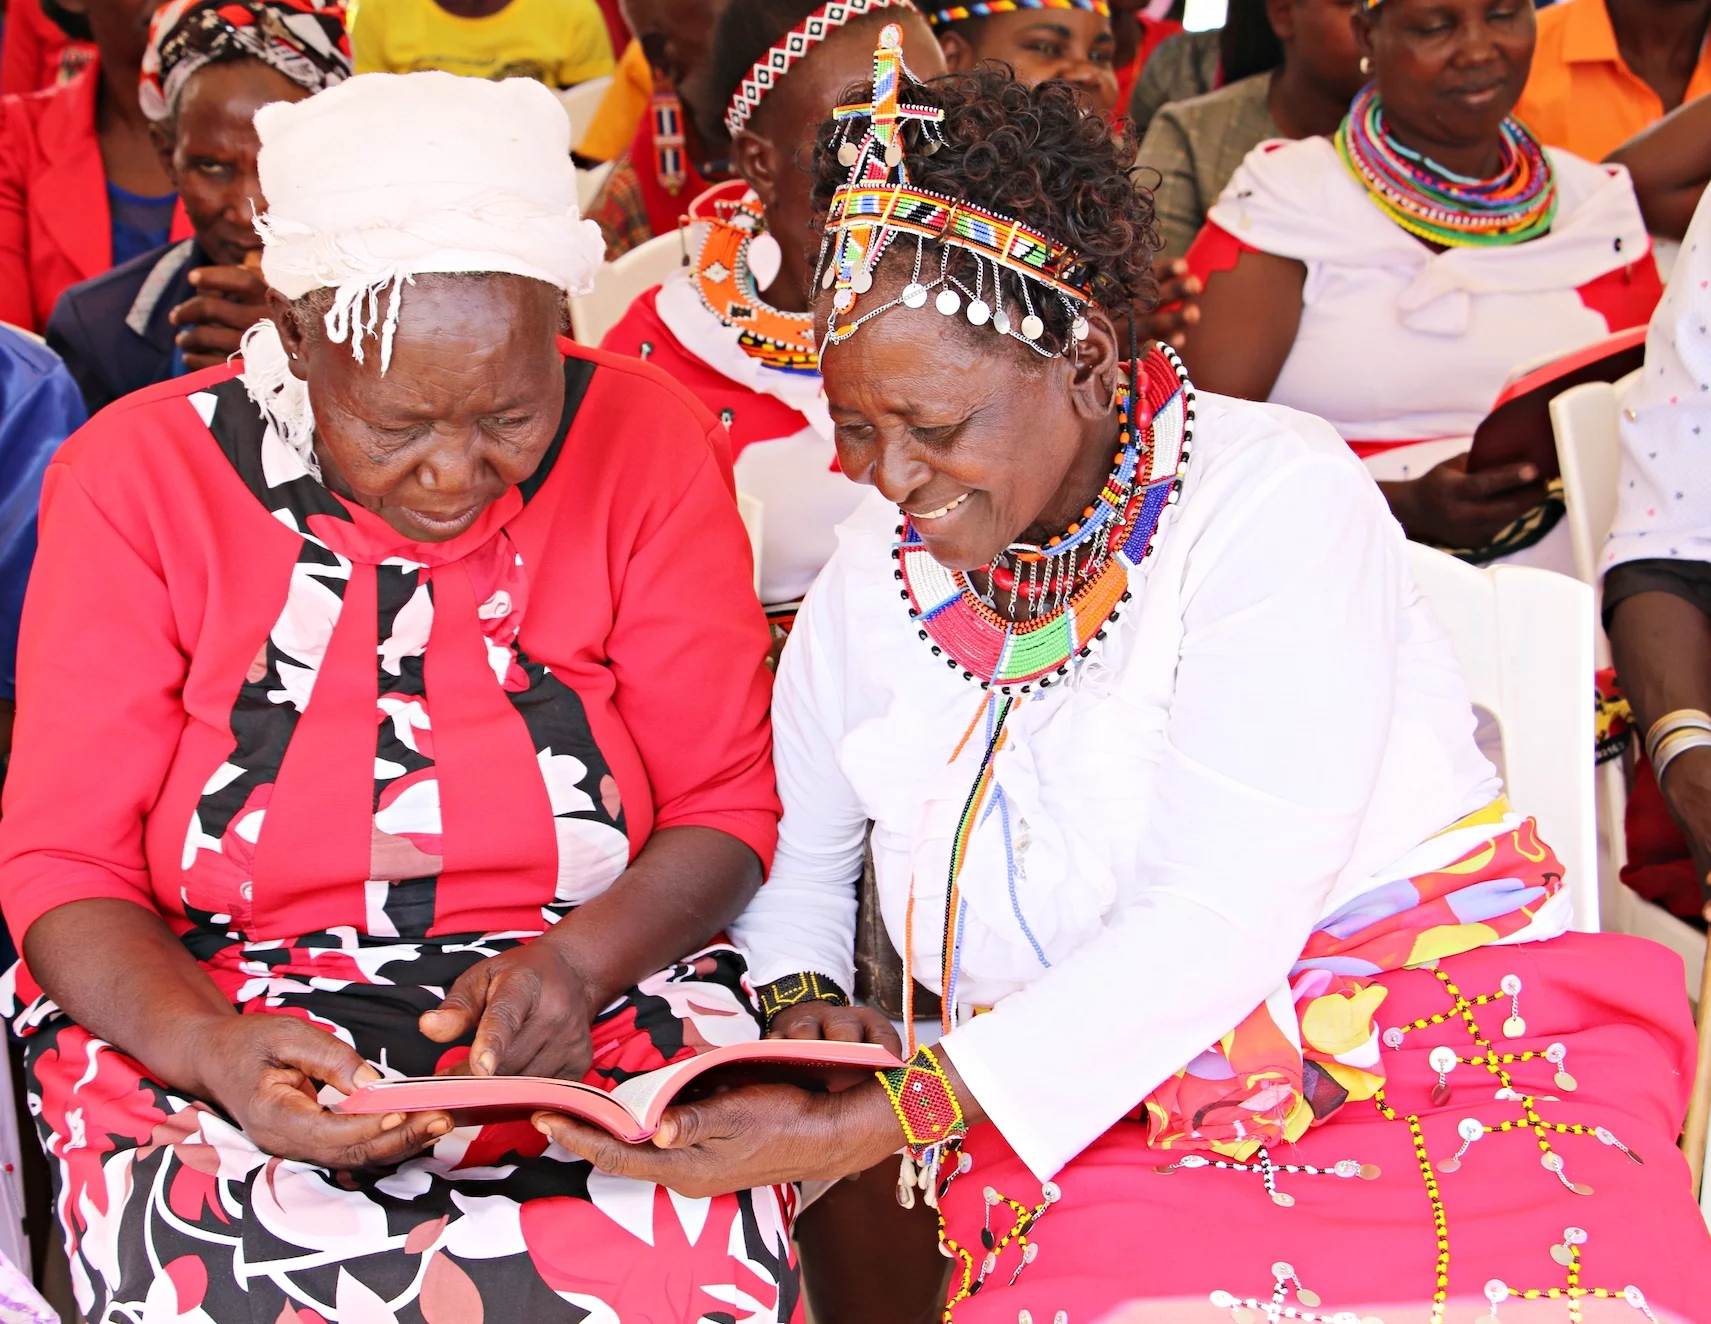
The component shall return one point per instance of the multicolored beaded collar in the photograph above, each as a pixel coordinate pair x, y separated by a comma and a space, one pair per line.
877, 203
791, 49
943, 18
1087, 569
1516, 204
734, 218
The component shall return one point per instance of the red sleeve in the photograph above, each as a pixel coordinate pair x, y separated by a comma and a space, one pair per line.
15, 135
20, 51
1626, 296
98, 723
1214, 249
688, 654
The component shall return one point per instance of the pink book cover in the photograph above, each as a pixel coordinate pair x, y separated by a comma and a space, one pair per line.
632, 1110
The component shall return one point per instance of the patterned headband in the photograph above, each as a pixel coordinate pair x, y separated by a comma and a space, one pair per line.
791, 49
877, 203
304, 40
943, 18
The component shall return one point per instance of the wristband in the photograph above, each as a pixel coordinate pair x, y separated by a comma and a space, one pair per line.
1671, 723
926, 1105
1675, 744
792, 990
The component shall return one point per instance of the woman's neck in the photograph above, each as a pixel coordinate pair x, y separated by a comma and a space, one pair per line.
1093, 464
128, 156
1302, 108
1475, 160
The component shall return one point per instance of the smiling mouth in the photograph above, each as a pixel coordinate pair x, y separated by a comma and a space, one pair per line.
942, 511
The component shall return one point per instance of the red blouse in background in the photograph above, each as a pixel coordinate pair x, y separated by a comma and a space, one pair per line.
34, 53
259, 710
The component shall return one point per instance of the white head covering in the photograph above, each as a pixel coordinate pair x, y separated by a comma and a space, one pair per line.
388, 176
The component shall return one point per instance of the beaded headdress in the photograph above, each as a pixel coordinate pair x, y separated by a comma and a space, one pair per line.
791, 49
878, 202
943, 18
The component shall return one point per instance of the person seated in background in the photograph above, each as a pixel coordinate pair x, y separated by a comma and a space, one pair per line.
734, 325
556, 42
1657, 589
1226, 908
1071, 40
620, 113
1196, 145
1670, 164
664, 168
1191, 64
1140, 29
37, 51
39, 408
1391, 280
82, 187
1605, 69
210, 65
413, 501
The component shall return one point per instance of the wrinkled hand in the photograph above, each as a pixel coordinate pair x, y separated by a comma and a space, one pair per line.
228, 301
1177, 308
529, 1009
1450, 507
262, 1071
758, 1135
848, 1025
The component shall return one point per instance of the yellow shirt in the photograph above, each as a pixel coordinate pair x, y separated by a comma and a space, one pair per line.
1580, 95
559, 42
614, 125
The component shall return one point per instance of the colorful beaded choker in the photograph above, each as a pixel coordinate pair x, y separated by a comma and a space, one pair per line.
791, 49
1517, 204
1085, 572
734, 218
877, 203
943, 18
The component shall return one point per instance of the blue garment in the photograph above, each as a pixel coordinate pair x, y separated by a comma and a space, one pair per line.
39, 408
139, 221
113, 330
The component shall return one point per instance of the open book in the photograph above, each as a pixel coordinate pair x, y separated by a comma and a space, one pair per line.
632, 1110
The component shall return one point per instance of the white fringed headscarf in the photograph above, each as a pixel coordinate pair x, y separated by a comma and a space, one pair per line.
388, 176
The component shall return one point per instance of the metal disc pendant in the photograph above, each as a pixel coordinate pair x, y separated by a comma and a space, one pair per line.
914, 295
1080, 329
948, 302
862, 281
1001, 322
1307, 1297
843, 300
979, 312
848, 154
1514, 1028
1562, 1255
894, 154
1440, 1094
1566, 1082
1581, 1188
830, 276
1283, 1198
1449, 1165
1370, 1172
1032, 327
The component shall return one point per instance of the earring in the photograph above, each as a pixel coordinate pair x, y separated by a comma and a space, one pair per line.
1366, 64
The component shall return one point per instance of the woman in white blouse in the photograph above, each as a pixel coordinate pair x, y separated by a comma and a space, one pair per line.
1174, 791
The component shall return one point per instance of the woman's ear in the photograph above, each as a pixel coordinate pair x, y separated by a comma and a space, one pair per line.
293, 334
959, 55
755, 159
1095, 366
1361, 21
163, 137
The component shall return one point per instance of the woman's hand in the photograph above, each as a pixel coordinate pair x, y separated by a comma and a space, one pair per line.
759, 1135
848, 1025
262, 1071
1177, 308
530, 1009
228, 301
1449, 507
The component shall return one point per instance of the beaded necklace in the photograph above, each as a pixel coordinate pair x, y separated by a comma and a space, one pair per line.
1516, 204
734, 218
1081, 578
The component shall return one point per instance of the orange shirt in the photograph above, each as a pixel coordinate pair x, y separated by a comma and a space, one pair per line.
1580, 95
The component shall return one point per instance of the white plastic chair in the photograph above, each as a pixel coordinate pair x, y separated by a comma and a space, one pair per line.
581, 102
617, 284
589, 183
754, 521
1524, 640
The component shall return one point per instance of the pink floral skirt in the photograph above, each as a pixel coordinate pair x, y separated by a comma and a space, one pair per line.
170, 1213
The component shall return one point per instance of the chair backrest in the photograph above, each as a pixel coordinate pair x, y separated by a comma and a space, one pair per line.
617, 284
589, 183
581, 102
1524, 639
754, 517
1584, 421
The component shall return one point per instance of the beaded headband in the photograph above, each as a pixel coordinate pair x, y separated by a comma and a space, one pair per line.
791, 49
943, 18
877, 203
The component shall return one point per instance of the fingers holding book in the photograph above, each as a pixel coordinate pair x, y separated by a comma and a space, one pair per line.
825, 1020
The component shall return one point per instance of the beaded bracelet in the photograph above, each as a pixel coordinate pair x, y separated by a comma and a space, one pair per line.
924, 1102
1679, 720
792, 990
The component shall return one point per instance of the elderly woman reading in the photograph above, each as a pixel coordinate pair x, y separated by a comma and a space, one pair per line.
392, 702
1258, 1000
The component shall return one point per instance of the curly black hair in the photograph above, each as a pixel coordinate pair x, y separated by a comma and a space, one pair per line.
1032, 153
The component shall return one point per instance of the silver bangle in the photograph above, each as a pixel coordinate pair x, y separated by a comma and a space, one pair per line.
1682, 719
1685, 738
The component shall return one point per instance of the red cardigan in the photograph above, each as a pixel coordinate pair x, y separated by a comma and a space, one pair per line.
199, 698
55, 225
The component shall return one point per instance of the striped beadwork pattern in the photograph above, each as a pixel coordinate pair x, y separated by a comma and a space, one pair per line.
791, 49
986, 8
1518, 203
1011, 656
